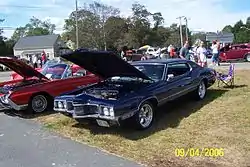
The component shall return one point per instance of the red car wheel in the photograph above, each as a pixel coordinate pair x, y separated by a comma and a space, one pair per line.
38, 103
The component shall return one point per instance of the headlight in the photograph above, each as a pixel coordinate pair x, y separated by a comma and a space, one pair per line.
64, 104
108, 111
60, 104
5, 98
111, 112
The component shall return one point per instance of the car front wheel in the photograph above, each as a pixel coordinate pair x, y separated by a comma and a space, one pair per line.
38, 104
201, 91
143, 119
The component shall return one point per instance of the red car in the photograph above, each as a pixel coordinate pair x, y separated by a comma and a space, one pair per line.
235, 52
36, 91
74, 69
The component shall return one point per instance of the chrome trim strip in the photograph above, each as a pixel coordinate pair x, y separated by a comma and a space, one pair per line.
177, 93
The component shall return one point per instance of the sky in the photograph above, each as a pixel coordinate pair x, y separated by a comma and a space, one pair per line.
203, 15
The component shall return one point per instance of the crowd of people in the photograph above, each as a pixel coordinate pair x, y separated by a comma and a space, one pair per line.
37, 61
198, 53
201, 53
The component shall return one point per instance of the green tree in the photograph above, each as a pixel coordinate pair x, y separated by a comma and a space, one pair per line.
5, 45
227, 29
91, 25
240, 30
34, 27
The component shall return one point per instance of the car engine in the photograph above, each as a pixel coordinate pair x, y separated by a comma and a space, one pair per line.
102, 93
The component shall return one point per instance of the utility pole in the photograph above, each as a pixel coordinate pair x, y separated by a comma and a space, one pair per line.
77, 37
186, 20
181, 29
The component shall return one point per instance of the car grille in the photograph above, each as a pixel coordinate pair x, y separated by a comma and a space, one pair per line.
82, 110
70, 106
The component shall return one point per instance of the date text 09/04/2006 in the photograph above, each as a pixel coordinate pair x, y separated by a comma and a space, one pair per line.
199, 152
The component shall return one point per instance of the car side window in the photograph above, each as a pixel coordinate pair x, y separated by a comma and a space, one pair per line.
80, 73
177, 69
68, 73
193, 65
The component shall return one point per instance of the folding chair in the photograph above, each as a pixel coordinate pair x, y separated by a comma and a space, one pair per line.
227, 79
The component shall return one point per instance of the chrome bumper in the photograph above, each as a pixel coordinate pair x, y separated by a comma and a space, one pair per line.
3, 107
96, 116
78, 115
11, 105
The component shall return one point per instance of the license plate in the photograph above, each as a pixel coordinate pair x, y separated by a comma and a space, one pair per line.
102, 123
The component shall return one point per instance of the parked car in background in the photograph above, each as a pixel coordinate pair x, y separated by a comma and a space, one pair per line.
36, 91
131, 92
133, 55
46, 66
235, 52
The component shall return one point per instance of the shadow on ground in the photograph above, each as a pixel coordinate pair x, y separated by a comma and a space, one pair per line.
168, 116
234, 86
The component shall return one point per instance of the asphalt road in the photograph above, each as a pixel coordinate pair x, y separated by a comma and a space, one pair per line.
25, 143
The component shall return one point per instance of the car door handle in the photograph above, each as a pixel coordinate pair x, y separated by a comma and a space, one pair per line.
188, 77
181, 85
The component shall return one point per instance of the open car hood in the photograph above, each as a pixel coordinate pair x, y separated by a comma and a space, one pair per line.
104, 64
21, 68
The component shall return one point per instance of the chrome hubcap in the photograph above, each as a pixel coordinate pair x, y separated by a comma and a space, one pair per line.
145, 115
39, 103
248, 57
202, 90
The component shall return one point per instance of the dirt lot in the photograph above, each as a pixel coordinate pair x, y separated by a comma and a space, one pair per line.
222, 120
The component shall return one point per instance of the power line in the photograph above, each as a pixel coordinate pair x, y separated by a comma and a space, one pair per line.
27, 6
14, 28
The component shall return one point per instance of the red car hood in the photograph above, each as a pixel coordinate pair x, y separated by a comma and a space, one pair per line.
21, 68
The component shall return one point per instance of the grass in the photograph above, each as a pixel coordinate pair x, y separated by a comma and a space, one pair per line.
221, 120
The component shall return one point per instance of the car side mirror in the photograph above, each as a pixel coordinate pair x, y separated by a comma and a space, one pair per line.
170, 76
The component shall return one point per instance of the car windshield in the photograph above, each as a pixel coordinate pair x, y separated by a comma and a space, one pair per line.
50, 62
155, 72
54, 71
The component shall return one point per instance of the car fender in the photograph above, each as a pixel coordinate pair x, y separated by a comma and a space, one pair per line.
152, 99
245, 55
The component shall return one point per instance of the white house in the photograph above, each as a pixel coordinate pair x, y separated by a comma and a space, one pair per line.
29, 46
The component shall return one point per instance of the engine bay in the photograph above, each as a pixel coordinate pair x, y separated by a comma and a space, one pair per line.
111, 91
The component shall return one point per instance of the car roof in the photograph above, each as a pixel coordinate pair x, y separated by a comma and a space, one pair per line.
160, 61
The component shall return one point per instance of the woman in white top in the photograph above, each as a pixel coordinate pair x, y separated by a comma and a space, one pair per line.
215, 52
201, 54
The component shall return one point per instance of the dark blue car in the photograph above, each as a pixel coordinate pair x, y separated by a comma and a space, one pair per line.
130, 91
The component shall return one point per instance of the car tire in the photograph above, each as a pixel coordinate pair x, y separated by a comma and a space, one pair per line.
38, 104
144, 119
247, 57
201, 91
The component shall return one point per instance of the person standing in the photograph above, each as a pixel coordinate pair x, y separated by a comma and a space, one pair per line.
184, 52
201, 54
172, 52
35, 61
169, 49
218, 58
44, 58
215, 52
